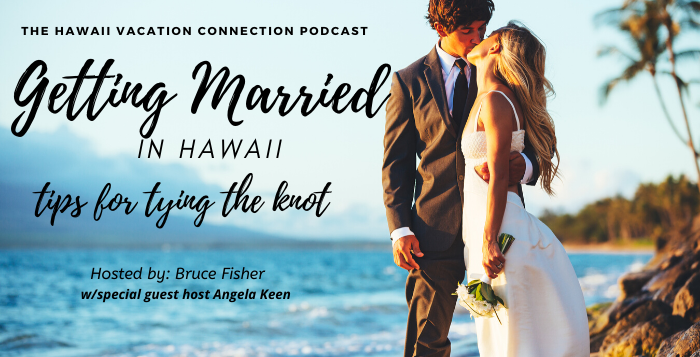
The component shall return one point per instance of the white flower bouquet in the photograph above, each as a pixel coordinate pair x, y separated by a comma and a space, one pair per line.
478, 296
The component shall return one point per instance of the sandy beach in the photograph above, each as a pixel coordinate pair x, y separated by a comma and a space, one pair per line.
611, 248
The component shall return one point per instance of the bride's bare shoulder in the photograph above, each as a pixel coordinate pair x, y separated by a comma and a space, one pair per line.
497, 109
495, 106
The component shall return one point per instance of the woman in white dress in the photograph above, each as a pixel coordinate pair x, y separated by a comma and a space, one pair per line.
546, 313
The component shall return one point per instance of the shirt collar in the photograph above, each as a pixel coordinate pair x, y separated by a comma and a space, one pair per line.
447, 61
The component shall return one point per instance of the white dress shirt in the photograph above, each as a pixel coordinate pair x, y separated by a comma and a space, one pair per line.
449, 76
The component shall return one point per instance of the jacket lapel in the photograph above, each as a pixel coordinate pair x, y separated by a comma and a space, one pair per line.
433, 76
471, 97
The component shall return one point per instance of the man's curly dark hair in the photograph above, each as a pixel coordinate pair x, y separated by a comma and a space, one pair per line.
452, 14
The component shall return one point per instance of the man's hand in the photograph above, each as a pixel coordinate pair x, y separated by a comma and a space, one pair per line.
516, 169
402, 252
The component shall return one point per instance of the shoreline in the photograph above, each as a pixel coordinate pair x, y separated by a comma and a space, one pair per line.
602, 248
608, 248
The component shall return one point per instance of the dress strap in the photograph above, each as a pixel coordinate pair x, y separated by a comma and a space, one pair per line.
476, 118
517, 120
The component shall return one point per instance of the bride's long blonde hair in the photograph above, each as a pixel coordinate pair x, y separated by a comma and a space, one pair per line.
521, 67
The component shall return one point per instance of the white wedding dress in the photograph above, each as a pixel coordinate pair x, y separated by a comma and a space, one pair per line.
546, 313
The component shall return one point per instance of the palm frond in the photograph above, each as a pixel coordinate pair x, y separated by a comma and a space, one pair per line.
607, 88
689, 24
632, 4
683, 85
613, 17
688, 55
632, 70
665, 111
612, 50
690, 6
628, 74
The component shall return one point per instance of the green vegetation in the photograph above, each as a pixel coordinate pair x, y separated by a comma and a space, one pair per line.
654, 210
652, 26
595, 311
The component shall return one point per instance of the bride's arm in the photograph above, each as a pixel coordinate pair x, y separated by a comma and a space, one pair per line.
497, 118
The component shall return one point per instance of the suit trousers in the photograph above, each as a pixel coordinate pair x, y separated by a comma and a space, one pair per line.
430, 300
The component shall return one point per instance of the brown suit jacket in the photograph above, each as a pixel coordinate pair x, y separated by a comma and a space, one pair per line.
418, 123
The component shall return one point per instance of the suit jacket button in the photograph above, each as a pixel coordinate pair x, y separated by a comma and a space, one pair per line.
461, 177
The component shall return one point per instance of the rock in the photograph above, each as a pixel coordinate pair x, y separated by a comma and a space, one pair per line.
598, 318
645, 312
632, 283
643, 338
597, 341
660, 243
671, 261
665, 284
613, 341
689, 342
667, 345
622, 308
687, 301
594, 312
683, 344
655, 313
667, 295
601, 317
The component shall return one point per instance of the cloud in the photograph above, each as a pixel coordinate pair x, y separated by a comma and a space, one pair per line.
582, 183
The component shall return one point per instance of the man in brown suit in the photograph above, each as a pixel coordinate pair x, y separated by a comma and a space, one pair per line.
425, 116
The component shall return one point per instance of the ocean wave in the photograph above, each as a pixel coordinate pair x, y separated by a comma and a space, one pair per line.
600, 285
358, 310
376, 344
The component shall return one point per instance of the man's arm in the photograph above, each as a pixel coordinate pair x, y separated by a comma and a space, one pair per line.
399, 173
530, 153
523, 168
399, 166
520, 169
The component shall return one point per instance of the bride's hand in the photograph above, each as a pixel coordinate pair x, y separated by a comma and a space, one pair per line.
493, 258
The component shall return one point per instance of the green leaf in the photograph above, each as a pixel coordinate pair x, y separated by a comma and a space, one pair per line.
487, 292
504, 242
472, 285
501, 301
477, 293
474, 282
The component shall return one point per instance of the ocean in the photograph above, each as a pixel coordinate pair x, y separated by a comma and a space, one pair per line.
340, 303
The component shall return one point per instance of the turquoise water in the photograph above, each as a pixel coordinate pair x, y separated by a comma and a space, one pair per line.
341, 303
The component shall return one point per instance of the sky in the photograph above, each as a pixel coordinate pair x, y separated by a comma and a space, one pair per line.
605, 149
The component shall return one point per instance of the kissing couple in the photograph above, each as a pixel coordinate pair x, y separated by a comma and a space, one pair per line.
474, 113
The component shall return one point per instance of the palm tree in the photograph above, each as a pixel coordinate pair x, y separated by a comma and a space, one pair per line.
644, 33
671, 203
643, 21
